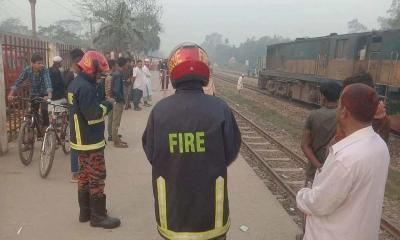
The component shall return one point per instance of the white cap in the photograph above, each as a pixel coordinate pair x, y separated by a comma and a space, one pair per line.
57, 59
147, 60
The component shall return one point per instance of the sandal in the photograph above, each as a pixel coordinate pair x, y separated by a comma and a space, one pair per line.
121, 145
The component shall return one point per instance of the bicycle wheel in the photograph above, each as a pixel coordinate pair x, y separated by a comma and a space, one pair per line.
26, 142
47, 153
66, 145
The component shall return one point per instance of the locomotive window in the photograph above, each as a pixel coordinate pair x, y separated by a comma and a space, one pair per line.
377, 39
340, 48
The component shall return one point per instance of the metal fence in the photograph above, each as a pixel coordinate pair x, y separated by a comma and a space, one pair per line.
17, 51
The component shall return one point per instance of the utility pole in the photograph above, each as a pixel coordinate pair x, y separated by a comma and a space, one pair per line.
33, 14
91, 31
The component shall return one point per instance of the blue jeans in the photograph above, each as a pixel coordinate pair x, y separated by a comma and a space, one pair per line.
74, 161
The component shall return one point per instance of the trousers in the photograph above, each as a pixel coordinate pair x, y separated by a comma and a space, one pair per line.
74, 161
118, 109
92, 172
127, 93
137, 94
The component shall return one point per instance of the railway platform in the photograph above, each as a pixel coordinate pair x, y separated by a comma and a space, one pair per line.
46, 209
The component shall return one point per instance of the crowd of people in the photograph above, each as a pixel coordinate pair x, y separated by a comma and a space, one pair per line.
192, 137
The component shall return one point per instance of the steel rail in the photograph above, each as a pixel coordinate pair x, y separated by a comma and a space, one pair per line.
386, 224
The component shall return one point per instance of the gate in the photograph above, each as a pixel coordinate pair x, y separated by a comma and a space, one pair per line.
17, 51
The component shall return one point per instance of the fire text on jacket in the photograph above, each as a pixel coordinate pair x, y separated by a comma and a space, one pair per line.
187, 142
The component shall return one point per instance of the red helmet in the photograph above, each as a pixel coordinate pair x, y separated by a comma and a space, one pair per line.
93, 62
188, 61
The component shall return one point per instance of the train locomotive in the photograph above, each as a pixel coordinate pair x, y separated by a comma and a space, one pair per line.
296, 69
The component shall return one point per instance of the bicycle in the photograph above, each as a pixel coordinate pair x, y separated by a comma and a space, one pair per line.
57, 134
26, 137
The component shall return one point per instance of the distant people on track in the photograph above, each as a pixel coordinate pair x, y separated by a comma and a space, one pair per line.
320, 128
38, 74
139, 85
210, 88
76, 56
148, 92
240, 83
87, 138
190, 149
58, 84
346, 199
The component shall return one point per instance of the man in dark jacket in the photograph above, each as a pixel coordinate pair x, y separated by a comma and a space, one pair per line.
57, 81
190, 140
87, 138
117, 90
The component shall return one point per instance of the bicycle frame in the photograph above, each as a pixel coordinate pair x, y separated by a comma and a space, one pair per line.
54, 117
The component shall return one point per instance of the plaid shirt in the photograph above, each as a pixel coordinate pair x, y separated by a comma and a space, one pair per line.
41, 83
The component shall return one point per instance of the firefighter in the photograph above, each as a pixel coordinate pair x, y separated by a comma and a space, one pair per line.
87, 138
190, 140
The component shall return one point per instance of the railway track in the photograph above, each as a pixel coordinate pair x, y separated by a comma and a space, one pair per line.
254, 87
282, 164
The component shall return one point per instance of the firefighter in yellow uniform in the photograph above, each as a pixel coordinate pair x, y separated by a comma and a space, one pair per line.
190, 140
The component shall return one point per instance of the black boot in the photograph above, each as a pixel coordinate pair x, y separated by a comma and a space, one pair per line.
84, 205
99, 217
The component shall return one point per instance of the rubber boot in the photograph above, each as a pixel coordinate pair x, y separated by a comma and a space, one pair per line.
99, 217
84, 205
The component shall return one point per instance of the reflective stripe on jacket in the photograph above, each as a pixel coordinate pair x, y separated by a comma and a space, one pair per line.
86, 115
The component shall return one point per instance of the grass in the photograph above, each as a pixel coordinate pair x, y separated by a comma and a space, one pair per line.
295, 128
393, 185
264, 113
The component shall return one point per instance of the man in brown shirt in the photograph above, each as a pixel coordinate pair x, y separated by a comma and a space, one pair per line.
320, 127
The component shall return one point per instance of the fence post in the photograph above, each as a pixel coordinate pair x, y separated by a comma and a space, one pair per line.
3, 115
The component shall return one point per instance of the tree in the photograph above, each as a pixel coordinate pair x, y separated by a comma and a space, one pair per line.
14, 25
118, 31
393, 21
211, 42
354, 26
59, 34
125, 25
252, 49
73, 26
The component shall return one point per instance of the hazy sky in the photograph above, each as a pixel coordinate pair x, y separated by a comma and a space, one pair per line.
188, 20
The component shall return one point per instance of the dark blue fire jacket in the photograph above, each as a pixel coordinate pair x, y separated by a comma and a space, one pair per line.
190, 140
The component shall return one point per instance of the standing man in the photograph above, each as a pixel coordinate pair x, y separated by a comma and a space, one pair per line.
87, 138
118, 96
57, 83
190, 140
128, 84
147, 91
163, 67
381, 123
320, 128
346, 199
209, 89
139, 78
240, 83
108, 82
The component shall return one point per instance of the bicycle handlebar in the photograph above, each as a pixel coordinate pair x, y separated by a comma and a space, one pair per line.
42, 100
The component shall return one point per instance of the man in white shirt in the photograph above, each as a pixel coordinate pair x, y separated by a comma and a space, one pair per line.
139, 84
147, 91
345, 202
